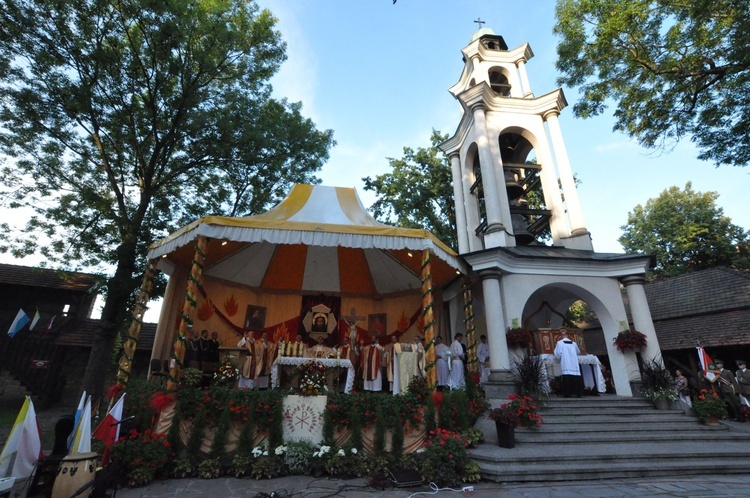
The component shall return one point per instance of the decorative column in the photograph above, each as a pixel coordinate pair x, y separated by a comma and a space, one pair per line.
458, 198
125, 366
641, 314
489, 182
428, 320
500, 383
471, 335
575, 215
195, 280
521, 65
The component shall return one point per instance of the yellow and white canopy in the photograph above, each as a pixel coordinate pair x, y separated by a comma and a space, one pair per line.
318, 239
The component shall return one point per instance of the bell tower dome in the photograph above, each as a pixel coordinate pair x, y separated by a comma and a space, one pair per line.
513, 184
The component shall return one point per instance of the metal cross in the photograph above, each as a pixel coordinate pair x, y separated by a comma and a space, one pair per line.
480, 22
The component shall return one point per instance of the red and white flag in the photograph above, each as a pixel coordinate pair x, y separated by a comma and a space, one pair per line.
108, 430
704, 358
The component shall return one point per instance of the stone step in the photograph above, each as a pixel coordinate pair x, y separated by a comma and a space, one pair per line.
615, 437
612, 437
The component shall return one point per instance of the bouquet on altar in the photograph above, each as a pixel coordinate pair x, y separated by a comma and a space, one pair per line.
227, 372
312, 379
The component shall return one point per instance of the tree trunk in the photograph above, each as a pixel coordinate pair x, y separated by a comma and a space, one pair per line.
113, 320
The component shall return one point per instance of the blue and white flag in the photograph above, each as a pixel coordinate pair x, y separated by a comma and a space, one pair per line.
19, 322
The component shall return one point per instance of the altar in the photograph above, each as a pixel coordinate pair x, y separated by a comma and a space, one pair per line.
590, 368
333, 363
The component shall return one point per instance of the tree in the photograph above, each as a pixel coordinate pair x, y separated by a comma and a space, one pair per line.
674, 69
685, 231
124, 119
418, 192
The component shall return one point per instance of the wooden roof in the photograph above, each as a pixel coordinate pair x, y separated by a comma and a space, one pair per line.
712, 306
46, 278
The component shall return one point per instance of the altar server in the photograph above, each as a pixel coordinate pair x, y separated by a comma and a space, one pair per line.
457, 366
442, 355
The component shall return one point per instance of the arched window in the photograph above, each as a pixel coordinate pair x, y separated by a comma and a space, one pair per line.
499, 82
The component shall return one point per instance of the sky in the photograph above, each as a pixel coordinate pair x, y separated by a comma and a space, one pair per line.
378, 73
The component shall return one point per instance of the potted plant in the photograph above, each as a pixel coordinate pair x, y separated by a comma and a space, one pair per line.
630, 339
657, 384
506, 420
709, 407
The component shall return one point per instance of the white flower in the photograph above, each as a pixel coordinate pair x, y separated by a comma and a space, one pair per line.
324, 449
257, 452
341, 453
280, 450
421, 450
354, 451
265, 453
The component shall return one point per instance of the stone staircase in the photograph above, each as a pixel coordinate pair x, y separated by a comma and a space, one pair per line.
613, 437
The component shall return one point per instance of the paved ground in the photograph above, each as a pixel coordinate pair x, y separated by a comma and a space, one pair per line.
305, 487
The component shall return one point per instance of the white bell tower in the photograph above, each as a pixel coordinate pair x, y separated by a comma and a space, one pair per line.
519, 222
513, 183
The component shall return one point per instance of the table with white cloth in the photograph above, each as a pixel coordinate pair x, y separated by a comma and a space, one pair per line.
327, 362
404, 370
590, 368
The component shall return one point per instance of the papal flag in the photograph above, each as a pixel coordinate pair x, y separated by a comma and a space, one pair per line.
19, 322
82, 432
77, 418
23, 447
34, 320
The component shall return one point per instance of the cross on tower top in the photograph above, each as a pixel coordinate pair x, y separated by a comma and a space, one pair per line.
480, 22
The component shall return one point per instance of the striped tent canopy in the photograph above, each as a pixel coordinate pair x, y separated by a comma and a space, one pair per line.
317, 240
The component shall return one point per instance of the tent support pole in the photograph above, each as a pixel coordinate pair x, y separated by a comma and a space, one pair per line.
428, 320
471, 330
125, 366
195, 280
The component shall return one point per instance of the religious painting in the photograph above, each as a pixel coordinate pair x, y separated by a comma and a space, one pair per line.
255, 318
376, 324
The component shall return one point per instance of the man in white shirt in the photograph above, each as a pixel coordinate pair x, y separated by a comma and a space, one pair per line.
567, 351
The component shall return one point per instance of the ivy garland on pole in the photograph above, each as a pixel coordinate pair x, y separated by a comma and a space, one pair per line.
125, 365
186, 314
471, 335
428, 326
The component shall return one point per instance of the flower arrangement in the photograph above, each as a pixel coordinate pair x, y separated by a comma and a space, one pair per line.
630, 339
227, 373
654, 394
444, 459
708, 405
518, 336
312, 379
142, 455
520, 411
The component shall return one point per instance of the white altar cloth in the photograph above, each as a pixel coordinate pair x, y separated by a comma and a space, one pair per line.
328, 362
592, 372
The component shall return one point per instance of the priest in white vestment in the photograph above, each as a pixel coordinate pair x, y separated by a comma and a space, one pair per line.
442, 354
483, 354
457, 380
567, 351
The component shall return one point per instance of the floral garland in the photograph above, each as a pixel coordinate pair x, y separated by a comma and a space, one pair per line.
630, 339
312, 379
